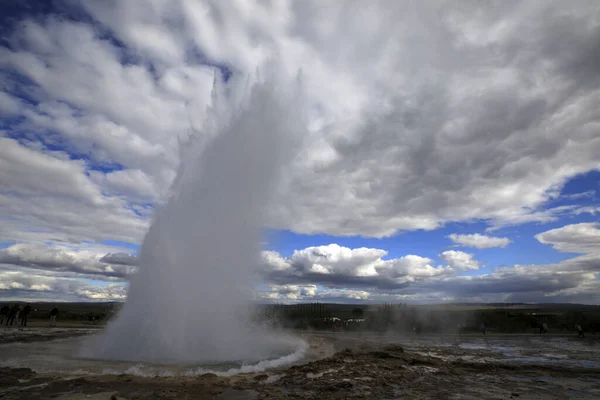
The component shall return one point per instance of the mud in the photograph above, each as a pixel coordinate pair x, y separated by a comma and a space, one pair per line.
345, 367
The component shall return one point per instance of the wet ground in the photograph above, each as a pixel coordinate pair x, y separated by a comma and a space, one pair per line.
40, 334
550, 350
334, 366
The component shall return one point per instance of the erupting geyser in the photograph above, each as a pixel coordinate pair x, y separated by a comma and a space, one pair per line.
188, 302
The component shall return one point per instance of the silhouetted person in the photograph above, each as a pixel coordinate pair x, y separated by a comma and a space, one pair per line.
12, 314
579, 330
544, 328
482, 328
4, 313
53, 315
25, 314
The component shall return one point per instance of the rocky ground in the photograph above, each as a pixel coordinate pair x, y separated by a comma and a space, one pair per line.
356, 370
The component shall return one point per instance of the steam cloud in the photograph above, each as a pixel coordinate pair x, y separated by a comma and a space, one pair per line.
188, 302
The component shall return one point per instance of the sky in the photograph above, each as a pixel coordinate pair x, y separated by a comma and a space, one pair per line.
452, 155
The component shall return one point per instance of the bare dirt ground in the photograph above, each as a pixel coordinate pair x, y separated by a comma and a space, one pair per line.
345, 366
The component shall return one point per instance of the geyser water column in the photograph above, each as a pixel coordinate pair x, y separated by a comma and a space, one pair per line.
187, 301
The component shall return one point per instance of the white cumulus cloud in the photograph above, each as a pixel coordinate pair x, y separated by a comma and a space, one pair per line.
479, 241
575, 238
460, 260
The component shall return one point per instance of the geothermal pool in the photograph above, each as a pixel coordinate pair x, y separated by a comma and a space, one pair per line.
348, 365
63, 356
551, 350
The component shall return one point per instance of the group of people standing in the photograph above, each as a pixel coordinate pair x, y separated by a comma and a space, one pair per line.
15, 313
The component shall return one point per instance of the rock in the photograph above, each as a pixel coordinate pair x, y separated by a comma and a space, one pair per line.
6, 381
346, 353
394, 348
11, 376
208, 375
344, 384
381, 354
261, 377
231, 394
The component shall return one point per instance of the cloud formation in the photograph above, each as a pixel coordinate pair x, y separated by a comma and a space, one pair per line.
32, 287
298, 293
340, 267
420, 114
459, 260
479, 241
575, 238
412, 278
502, 85
52, 197
119, 259
65, 261
324, 273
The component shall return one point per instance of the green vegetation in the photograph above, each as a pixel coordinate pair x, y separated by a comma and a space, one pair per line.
451, 318
439, 318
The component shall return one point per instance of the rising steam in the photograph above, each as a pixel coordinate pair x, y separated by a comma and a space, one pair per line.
188, 299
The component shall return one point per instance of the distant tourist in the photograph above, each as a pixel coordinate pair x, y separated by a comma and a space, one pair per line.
53, 315
579, 330
13, 314
544, 328
482, 328
4, 313
25, 314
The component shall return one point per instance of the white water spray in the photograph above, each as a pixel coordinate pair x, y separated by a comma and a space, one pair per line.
187, 302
